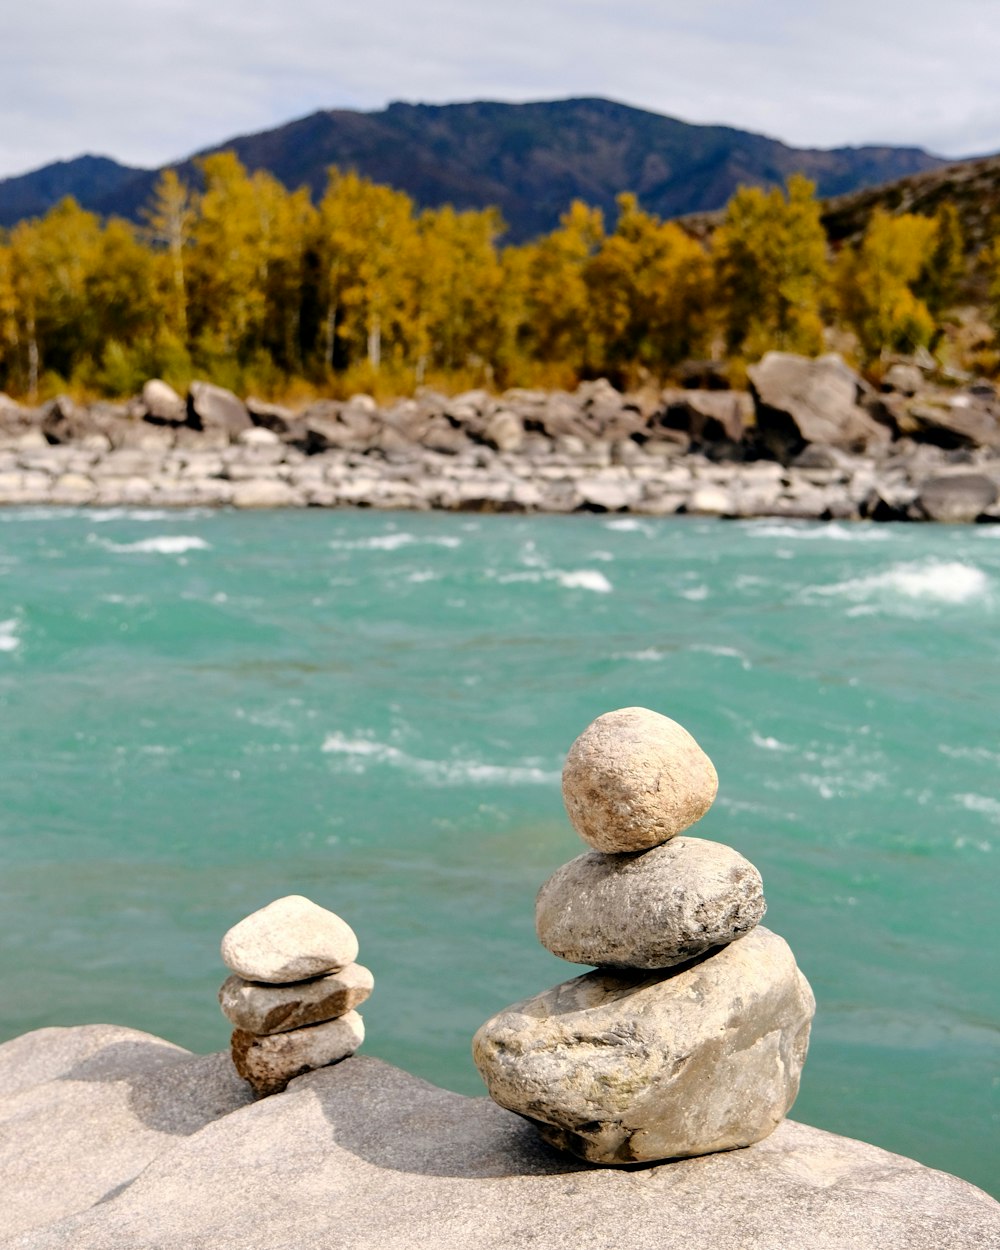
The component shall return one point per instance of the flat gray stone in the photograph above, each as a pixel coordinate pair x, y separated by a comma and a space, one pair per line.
269, 1063
635, 778
629, 1067
650, 910
264, 1009
291, 939
363, 1156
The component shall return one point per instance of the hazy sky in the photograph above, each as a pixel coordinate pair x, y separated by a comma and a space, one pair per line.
148, 81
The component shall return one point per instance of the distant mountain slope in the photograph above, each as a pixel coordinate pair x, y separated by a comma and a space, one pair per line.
89, 179
973, 187
530, 160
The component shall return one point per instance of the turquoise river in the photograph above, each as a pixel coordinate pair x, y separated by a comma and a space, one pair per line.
202, 711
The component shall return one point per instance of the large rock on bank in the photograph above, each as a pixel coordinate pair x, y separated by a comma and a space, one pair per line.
800, 401
956, 497
652, 910
363, 1156
630, 1067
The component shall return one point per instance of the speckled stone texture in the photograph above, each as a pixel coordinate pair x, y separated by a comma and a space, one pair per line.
290, 939
634, 779
650, 910
630, 1067
362, 1156
264, 1009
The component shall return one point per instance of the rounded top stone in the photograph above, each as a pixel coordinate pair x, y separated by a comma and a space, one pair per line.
634, 778
291, 939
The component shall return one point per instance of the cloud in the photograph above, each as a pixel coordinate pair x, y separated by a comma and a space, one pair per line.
152, 82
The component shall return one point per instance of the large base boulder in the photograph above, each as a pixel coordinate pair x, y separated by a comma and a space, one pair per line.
631, 1067
800, 401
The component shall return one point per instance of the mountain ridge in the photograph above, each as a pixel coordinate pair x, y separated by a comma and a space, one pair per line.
529, 160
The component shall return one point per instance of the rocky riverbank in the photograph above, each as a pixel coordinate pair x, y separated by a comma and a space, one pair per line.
810, 440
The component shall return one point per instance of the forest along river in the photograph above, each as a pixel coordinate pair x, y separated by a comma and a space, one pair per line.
202, 711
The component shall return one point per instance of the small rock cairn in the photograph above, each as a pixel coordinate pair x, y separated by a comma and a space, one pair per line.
293, 992
691, 1035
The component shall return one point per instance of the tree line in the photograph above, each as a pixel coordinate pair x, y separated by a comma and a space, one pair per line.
259, 289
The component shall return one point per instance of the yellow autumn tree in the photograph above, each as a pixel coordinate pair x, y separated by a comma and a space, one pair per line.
169, 219
649, 291
876, 283
366, 235
558, 322
455, 286
771, 269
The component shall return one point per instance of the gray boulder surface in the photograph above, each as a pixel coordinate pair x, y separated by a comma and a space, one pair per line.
634, 778
956, 497
291, 939
363, 1156
161, 403
651, 910
84, 1110
626, 1066
800, 401
211, 407
264, 1009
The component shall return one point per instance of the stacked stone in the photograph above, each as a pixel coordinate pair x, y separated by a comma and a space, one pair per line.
691, 1035
293, 992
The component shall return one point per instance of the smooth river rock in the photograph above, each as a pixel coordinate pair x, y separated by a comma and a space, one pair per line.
265, 1009
269, 1063
635, 778
630, 1067
363, 1156
650, 910
291, 939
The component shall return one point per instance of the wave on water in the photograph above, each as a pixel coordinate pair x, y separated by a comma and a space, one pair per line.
392, 542
162, 544
358, 753
582, 579
649, 656
9, 640
569, 579
935, 581
809, 530
767, 743
629, 525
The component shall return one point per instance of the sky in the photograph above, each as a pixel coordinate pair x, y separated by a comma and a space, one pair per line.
151, 81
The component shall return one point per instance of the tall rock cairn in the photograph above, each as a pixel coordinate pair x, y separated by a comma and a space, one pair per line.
293, 991
691, 1035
